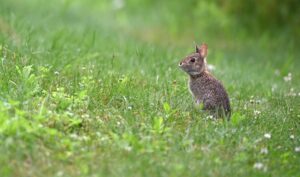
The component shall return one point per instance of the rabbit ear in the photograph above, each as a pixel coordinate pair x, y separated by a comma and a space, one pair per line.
203, 50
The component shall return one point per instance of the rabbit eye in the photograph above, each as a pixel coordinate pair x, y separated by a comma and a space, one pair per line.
193, 60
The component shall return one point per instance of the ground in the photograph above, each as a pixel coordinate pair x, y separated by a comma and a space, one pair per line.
91, 89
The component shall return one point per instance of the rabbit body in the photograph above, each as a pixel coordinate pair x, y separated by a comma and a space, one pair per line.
205, 88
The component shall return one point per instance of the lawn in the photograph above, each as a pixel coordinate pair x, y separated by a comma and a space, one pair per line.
93, 89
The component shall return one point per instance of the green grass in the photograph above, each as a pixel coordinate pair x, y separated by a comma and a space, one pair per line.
86, 90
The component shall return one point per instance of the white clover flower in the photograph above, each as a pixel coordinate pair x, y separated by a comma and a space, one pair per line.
292, 136
128, 148
256, 112
209, 117
98, 134
211, 67
60, 173
56, 73
291, 92
118, 4
85, 116
288, 77
267, 135
274, 87
74, 136
264, 151
297, 149
258, 165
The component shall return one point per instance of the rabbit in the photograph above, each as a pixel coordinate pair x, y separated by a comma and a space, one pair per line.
205, 88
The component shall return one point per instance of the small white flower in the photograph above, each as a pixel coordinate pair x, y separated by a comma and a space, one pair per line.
118, 4
288, 77
258, 165
256, 112
264, 151
60, 173
98, 134
297, 149
292, 136
291, 92
211, 67
85, 116
128, 148
56, 73
74, 136
210, 117
267, 135
274, 87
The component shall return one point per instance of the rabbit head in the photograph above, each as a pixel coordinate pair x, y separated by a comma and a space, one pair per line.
195, 63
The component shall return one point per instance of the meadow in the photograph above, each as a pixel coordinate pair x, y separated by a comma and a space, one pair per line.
93, 88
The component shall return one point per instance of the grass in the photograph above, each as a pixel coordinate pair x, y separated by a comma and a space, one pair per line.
84, 91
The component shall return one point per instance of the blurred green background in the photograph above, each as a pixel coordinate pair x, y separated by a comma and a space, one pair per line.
189, 20
218, 18
93, 88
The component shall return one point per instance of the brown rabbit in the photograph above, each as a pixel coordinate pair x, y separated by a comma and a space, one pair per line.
205, 88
